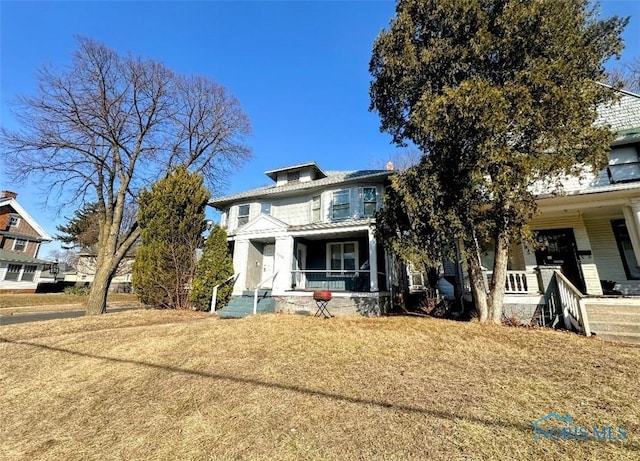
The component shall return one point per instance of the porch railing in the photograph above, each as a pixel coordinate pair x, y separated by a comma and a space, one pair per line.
336, 280
571, 301
214, 296
255, 292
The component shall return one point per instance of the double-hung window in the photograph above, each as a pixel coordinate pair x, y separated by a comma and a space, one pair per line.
265, 208
341, 207
13, 272
315, 209
20, 245
243, 215
369, 201
342, 258
28, 273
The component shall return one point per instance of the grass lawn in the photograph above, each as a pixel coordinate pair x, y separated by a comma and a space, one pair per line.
168, 385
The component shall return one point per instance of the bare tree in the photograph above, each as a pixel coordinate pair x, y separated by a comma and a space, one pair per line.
107, 126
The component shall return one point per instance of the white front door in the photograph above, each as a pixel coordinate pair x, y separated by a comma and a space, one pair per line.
301, 259
268, 253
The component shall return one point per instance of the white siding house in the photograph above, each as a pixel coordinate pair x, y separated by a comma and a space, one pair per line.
310, 230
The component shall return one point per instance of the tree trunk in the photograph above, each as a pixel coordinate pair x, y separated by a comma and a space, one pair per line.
498, 283
478, 289
97, 302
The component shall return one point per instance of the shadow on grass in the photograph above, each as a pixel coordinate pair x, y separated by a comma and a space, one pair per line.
285, 387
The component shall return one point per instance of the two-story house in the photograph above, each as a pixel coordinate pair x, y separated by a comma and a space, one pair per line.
20, 240
310, 230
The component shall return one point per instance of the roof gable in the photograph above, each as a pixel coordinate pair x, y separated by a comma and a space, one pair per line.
12, 202
262, 223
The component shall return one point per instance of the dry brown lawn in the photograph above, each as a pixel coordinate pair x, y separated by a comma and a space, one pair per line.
166, 385
34, 302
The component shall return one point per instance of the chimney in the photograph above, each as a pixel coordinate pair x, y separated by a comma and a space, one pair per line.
389, 165
8, 194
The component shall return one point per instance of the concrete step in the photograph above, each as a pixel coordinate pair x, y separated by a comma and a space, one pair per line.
612, 316
621, 309
618, 327
631, 338
241, 306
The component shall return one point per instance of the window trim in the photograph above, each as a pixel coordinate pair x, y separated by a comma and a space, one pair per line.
15, 244
615, 225
342, 272
335, 193
9, 271
241, 217
364, 202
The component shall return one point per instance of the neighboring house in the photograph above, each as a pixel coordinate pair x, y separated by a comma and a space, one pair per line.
20, 240
310, 230
591, 231
86, 269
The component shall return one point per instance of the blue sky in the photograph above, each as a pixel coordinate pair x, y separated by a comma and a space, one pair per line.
299, 69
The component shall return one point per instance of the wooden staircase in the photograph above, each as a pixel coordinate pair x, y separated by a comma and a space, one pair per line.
242, 306
614, 321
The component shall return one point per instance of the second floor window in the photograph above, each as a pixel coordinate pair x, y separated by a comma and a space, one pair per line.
243, 215
265, 208
20, 245
369, 201
623, 164
340, 205
315, 209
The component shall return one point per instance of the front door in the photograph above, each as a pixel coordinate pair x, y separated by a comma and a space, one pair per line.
301, 262
268, 253
561, 250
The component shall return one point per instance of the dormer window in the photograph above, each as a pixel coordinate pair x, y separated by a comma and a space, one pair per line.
293, 176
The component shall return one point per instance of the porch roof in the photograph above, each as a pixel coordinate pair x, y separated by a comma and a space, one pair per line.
12, 257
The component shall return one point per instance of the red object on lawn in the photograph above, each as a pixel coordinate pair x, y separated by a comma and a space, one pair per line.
322, 295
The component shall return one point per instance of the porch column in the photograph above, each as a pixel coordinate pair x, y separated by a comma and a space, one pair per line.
240, 259
632, 220
373, 261
282, 264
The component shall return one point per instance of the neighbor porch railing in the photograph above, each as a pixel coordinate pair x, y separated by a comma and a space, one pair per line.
571, 302
517, 282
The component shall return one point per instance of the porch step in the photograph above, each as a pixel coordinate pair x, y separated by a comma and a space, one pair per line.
631, 338
242, 306
615, 322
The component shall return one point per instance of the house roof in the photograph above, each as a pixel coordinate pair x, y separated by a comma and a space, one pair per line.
26, 216
13, 257
332, 178
623, 116
273, 174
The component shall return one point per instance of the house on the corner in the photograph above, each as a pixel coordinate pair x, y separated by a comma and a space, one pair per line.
20, 240
311, 229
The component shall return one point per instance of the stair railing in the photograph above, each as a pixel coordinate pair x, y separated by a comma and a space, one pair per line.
214, 296
574, 311
255, 292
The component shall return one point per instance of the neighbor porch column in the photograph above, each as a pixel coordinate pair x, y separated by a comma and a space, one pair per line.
240, 258
373, 261
282, 264
632, 220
